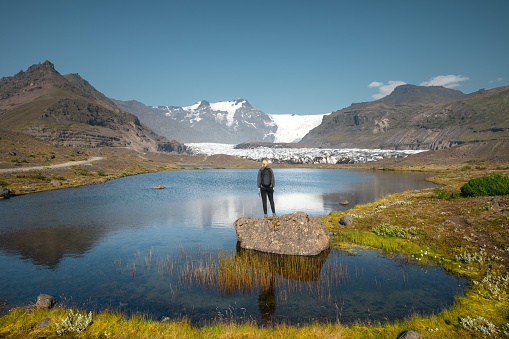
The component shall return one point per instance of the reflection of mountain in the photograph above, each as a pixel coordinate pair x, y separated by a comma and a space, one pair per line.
47, 246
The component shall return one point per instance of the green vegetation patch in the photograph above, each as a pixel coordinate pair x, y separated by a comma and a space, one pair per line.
396, 231
494, 184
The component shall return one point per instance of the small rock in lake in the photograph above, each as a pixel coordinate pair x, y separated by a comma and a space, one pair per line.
5, 193
344, 202
46, 301
160, 187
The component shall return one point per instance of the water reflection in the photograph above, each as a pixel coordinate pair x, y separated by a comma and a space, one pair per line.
47, 246
65, 242
297, 268
357, 284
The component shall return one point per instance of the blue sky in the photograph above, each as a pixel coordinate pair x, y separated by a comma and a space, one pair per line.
301, 57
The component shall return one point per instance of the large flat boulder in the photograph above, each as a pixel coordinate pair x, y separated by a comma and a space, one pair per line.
294, 234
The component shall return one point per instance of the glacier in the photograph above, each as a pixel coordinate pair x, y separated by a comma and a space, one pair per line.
292, 127
287, 155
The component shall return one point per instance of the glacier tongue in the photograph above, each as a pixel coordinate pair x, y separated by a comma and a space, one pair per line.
300, 155
292, 127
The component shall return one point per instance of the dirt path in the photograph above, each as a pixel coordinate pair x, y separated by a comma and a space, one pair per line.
38, 168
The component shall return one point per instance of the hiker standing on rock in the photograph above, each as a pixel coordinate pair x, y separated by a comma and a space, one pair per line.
266, 183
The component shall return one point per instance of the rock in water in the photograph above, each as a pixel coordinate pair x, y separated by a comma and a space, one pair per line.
294, 234
46, 301
4, 193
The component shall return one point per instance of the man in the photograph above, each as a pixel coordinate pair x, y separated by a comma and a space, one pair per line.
266, 185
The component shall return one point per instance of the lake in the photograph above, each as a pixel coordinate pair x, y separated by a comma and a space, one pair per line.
125, 246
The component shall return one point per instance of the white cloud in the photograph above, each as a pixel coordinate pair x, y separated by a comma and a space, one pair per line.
384, 90
498, 80
375, 84
449, 81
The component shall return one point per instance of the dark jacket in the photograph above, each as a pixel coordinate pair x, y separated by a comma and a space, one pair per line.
259, 179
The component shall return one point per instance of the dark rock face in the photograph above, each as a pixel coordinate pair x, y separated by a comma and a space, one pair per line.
293, 234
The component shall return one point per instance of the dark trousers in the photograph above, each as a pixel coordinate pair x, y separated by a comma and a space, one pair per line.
268, 192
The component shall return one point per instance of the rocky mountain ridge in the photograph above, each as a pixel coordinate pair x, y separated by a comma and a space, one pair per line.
227, 121
67, 110
417, 118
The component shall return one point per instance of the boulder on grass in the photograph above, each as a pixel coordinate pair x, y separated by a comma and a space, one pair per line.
293, 234
346, 220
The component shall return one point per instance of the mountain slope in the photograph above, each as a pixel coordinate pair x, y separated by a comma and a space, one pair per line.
69, 111
417, 117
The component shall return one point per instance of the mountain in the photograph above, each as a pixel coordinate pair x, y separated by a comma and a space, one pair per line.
418, 118
67, 110
226, 122
229, 122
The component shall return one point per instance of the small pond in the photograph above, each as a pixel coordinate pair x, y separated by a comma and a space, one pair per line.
168, 253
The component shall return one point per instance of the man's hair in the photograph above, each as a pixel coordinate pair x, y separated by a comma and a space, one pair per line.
265, 162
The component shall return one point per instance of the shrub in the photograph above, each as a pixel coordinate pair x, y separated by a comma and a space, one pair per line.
494, 184
479, 324
75, 322
40, 177
455, 195
441, 193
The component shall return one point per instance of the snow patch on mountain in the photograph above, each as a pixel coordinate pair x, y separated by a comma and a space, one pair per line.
230, 107
292, 127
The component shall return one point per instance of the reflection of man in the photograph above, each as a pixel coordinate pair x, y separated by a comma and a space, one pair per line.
267, 303
265, 182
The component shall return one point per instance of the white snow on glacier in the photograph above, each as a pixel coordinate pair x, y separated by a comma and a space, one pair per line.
300, 155
293, 127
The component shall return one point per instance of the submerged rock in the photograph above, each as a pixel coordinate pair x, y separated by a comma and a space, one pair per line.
294, 234
160, 187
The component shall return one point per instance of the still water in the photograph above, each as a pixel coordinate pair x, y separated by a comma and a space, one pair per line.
123, 245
